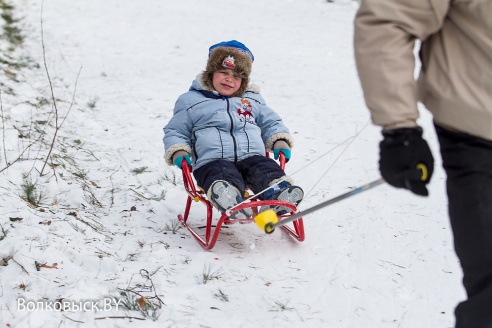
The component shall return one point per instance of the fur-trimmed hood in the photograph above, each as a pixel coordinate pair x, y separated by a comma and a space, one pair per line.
242, 66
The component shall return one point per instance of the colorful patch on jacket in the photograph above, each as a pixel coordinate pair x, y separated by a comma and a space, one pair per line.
229, 62
246, 111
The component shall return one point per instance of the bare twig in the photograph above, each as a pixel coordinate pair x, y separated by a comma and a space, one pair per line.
139, 194
145, 288
20, 156
91, 153
145, 274
96, 229
119, 317
73, 98
52, 93
112, 188
55, 106
73, 319
23, 269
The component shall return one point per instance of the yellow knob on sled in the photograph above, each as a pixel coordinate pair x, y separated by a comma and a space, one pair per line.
266, 220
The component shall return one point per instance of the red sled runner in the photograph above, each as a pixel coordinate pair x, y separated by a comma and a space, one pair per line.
296, 230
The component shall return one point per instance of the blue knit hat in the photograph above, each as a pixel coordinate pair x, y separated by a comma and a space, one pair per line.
232, 44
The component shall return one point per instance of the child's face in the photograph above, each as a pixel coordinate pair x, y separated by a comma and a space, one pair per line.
226, 82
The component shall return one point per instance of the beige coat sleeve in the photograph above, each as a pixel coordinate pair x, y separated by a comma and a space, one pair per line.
385, 32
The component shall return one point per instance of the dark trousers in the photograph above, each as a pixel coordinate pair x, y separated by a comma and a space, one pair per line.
255, 172
467, 161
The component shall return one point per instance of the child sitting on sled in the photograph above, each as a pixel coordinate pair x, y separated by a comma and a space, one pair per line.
222, 127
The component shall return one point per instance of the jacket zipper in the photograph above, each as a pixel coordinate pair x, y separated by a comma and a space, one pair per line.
232, 130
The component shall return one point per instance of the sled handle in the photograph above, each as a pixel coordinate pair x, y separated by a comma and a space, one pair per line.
268, 220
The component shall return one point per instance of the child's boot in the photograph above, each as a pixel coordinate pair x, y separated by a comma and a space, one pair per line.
286, 192
225, 196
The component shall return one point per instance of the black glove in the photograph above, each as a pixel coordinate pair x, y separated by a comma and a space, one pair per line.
406, 160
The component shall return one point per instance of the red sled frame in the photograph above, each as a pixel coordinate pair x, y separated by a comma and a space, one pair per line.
212, 232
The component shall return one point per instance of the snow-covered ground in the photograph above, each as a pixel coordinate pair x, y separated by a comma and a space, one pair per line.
104, 232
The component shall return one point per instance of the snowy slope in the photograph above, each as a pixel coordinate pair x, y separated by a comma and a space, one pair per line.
380, 259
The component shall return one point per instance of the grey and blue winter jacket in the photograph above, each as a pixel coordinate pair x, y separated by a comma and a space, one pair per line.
209, 126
